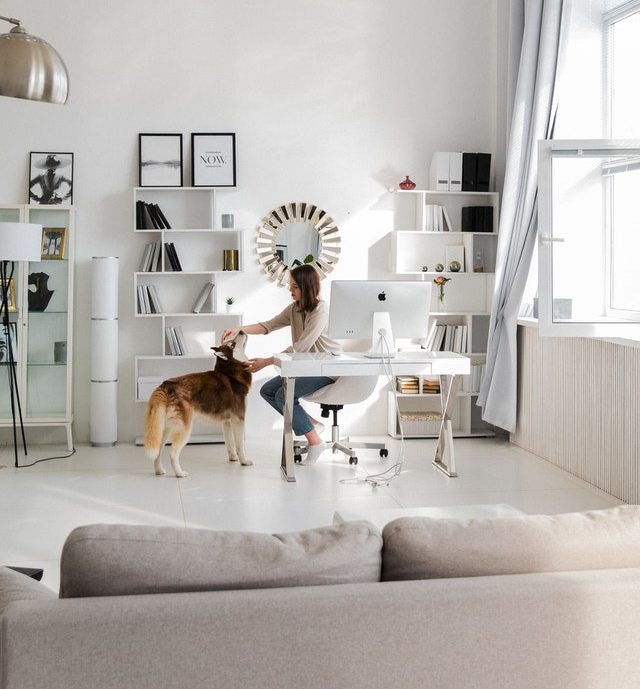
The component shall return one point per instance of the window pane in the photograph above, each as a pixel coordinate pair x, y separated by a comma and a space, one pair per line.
625, 234
625, 95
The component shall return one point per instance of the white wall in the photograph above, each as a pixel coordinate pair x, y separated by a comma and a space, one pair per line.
332, 101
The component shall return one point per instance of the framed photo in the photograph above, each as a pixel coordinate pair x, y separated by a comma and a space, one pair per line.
8, 330
51, 179
160, 160
213, 160
11, 295
54, 243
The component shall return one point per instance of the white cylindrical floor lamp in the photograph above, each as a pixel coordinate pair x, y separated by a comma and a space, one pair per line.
104, 351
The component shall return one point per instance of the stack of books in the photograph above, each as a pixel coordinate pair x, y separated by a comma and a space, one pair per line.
202, 297
172, 256
408, 385
149, 216
148, 299
175, 341
431, 386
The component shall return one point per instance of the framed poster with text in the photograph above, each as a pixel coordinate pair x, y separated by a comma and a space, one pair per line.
213, 160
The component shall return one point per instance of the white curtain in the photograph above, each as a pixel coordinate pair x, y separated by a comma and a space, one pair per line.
533, 114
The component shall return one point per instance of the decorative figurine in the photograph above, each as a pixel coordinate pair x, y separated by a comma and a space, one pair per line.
39, 300
439, 267
455, 266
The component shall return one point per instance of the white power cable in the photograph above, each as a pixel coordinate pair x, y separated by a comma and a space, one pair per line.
384, 478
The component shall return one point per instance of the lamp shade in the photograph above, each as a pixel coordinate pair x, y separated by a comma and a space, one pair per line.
30, 68
20, 241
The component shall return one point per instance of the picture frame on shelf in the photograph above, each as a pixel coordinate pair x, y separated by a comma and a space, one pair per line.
213, 160
160, 160
50, 179
54, 243
11, 295
8, 330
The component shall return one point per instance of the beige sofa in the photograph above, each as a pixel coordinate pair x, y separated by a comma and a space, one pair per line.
531, 602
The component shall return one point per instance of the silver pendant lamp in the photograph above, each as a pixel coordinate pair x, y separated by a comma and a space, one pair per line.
30, 68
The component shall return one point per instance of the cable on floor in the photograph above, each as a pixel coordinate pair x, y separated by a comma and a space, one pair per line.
46, 459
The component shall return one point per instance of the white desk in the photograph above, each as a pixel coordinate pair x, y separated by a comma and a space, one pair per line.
446, 365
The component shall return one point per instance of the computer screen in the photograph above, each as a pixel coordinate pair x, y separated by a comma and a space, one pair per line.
358, 309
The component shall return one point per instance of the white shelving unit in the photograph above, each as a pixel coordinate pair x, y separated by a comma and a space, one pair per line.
415, 253
44, 377
199, 242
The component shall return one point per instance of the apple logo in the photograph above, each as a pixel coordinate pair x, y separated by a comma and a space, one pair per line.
382, 296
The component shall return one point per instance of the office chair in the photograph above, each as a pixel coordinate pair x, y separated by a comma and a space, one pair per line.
332, 398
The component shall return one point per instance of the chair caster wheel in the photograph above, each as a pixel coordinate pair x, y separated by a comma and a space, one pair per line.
384, 452
353, 460
297, 459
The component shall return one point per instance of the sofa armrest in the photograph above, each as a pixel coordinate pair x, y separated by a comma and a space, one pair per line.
15, 586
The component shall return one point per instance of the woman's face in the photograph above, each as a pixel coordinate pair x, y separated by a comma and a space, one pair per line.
294, 290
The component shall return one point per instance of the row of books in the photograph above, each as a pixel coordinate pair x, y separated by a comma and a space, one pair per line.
460, 171
436, 218
471, 383
175, 341
151, 261
447, 338
149, 216
148, 299
410, 385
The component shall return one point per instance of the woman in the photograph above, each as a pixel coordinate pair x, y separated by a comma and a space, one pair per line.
308, 316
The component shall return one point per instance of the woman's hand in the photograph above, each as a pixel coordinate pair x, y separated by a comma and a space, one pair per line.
229, 333
255, 365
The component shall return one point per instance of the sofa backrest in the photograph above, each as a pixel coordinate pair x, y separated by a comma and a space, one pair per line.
115, 559
426, 548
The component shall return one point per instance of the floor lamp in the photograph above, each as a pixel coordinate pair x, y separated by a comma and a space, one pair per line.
18, 242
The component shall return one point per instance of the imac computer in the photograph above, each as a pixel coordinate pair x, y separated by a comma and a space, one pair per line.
381, 310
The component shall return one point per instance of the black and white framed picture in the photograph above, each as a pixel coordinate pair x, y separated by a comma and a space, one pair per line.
160, 160
8, 330
54, 243
51, 179
213, 160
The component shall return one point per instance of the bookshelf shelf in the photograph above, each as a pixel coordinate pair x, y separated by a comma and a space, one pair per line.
179, 255
463, 324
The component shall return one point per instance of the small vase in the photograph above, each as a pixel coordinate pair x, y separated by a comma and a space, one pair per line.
407, 184
442, 304
229, 307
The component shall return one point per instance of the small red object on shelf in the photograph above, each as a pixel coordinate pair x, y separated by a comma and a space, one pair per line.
407, 184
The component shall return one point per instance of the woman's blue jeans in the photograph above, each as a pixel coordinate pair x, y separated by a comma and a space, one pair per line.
273, 392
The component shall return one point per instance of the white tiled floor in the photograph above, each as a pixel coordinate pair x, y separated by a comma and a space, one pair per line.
40, 505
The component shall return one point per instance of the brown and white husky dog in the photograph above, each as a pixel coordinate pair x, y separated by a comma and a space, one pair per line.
218, 396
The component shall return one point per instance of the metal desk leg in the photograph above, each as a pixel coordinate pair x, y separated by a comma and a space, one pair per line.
445, 458
287, 462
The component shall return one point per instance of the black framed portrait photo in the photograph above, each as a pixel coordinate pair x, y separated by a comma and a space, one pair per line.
213, 160
160, 160
51, 179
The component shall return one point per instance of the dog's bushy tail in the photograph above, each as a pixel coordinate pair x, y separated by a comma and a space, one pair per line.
154, 422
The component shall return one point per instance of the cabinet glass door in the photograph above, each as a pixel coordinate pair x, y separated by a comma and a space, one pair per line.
48, 318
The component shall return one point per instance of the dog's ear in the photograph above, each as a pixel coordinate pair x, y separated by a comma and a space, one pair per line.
217, 351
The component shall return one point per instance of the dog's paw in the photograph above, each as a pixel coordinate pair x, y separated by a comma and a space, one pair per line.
233, 459
160, 471
182, 474
246, 462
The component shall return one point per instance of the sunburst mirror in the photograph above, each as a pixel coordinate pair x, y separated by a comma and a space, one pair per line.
294, 234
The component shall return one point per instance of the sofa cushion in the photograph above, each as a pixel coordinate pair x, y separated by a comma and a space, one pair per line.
112, 560
426, 548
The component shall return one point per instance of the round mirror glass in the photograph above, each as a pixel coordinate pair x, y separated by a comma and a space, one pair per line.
294, 234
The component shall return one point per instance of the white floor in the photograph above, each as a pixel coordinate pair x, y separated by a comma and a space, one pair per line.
40, 505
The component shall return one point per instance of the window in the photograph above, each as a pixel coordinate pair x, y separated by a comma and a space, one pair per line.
589, 224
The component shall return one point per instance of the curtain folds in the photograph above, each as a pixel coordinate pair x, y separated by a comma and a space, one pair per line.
533, 115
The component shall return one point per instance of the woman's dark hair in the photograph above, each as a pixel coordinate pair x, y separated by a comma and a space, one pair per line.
308, 280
